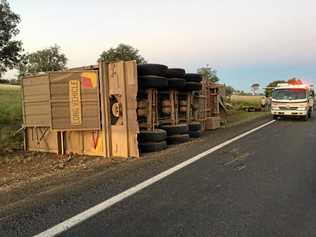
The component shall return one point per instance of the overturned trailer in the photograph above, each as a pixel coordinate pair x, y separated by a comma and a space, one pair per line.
90, 111
113, 110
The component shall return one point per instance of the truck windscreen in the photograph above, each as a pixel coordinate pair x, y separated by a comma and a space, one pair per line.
289, 94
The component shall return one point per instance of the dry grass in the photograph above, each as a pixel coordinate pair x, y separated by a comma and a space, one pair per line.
9, 87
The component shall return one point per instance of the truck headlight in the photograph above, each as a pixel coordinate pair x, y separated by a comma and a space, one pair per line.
301, 108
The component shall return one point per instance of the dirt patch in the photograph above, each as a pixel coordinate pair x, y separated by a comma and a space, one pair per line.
18, 168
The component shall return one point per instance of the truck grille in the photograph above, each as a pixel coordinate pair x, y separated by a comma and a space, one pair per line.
287, 108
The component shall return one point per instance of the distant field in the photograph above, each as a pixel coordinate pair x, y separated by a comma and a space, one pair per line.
10, 115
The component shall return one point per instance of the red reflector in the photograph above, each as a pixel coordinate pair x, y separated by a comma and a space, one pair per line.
86, 82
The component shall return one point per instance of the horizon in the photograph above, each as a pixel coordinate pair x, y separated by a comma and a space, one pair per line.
246, 42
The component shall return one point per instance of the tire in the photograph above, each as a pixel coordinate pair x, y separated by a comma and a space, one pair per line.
150, 81
309, 114
152, 146
152, 69
305, 118
156, 135
195, 134
175, 72
176, 83
193, 77
175, 129
177, 139
275, 117
192, 86
194, 126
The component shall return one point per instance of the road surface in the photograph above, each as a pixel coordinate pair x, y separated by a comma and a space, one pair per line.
264, 184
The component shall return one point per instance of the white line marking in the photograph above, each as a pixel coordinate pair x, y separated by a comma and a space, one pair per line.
77, 219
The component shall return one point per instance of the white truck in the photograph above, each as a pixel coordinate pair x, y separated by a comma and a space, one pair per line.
292, 100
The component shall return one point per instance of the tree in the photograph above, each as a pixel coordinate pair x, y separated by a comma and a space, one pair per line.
254, 87
270, 86
45, 60
229, 90
208, 73
122, 52
10, 49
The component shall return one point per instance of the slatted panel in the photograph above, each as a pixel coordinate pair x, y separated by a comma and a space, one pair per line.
36, 101
61, 101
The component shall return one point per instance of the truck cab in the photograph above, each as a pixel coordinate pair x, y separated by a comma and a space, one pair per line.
292, 100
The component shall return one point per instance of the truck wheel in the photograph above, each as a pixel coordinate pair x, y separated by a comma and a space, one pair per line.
309, 114
151, 81
192, 86
194, 126
275, 117
195, 134
175, 129
175, 72
193, 77
152, 69
156, 135
305, 118
152, 146
177, 139
176, 83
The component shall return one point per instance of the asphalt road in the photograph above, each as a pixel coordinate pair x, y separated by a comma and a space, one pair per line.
261, 185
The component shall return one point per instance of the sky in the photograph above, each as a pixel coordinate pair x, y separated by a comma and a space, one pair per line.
246, 41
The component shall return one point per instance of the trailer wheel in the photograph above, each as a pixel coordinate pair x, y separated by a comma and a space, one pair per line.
156, 135
195, 134
193, 77
151, 81
192, 86
152, 69
175, 129
152, 146
194, 126
175, 73
178, 138
176, 83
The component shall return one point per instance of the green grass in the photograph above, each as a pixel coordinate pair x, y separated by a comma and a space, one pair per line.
237, 117
10, 116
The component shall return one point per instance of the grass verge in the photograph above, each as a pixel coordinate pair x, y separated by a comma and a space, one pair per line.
233, 118
10, 116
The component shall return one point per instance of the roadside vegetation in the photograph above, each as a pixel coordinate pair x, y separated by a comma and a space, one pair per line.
244, 108
236, 117
10, 117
